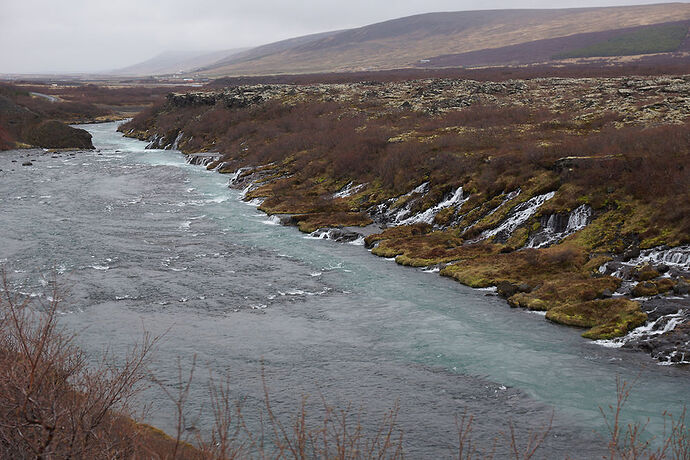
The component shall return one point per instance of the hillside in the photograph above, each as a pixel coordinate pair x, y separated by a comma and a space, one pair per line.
432, 37
171, 62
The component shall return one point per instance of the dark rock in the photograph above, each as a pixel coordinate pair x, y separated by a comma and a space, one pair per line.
606, 293
631, 254
336, 234
506, 289
682, 287
662, 268
524, 287
27, 163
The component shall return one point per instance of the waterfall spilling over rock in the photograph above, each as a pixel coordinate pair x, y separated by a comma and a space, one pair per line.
340, 235
456, 199
511, 196
507, 198
349, 190
678, 257
666, 335
674, 261
250, 178
202, 159
389, 214
176, 142
154, 142
555, 227
517, 216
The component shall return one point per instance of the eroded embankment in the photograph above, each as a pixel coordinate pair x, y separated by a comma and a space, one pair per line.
570, 196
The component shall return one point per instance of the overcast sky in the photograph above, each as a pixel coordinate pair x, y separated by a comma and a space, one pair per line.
97, 35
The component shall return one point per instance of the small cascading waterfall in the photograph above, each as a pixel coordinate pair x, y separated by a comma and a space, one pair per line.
176, 142
427, 216
349, 190
202, 159
153, 142
395, 215
555, 227
510, 196
677, 257
517, 216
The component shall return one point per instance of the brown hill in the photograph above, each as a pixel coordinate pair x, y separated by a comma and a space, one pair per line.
407, 41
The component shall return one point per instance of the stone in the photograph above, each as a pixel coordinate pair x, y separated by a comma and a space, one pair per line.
682, 287
645, 289
506, 289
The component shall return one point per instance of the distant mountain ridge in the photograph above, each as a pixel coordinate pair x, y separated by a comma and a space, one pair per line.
170, 62
431, 39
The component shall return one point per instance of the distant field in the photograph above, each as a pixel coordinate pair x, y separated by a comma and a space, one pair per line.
657, 39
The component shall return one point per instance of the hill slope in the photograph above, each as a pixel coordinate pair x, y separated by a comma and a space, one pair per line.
176, 61
406, 41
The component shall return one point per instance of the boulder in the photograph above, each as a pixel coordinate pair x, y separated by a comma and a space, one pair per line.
645, 289
506, 289
682, 287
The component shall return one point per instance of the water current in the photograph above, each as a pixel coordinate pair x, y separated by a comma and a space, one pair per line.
144, 241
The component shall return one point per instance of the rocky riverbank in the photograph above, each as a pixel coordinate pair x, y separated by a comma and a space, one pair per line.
542, 188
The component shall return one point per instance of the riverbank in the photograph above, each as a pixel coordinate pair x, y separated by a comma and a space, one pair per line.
147, 241
536, 187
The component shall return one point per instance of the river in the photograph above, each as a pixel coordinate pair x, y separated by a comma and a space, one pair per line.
144, 241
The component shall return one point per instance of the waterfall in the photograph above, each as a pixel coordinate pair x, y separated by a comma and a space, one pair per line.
176, 143
553, 230
349, 190
428, 216
518, 216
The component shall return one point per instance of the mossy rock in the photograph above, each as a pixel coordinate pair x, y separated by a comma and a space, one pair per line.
444, 216
645, 289
407, 261
646, 273
308, 223
383, 251
468, 278
606, 318
518, 239
664, 285
524, 300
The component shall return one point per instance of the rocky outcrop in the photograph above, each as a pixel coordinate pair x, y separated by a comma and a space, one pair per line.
56, 134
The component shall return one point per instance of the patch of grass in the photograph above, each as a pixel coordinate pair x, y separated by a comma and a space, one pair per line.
655, 39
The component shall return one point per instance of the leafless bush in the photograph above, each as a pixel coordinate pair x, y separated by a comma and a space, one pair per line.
631, 441
54, 405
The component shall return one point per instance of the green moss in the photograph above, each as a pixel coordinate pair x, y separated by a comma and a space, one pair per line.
528, 301
606, 318
310, 222
466, 277
383, 251
518, 239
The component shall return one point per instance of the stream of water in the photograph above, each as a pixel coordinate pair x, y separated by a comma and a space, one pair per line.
144, 241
